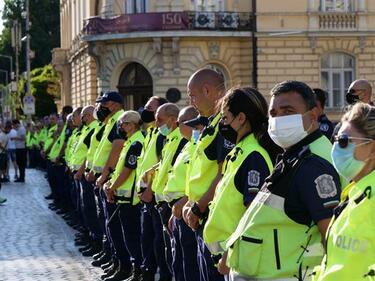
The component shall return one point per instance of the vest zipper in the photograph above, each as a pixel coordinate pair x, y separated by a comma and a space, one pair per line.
252, 240
277, 252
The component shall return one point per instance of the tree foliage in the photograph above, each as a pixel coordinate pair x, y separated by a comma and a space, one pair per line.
45, 87
44, 30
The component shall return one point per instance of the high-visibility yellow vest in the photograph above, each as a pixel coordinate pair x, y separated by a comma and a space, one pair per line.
70, 144
267, 244
28, 139
148, 156
94, 142
105, 146
57, 145
177, 177
49, 137
128, 188
169, 151
202, 171
79, 150
227, 208
350, 240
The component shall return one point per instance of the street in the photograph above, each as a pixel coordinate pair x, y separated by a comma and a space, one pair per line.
36, 244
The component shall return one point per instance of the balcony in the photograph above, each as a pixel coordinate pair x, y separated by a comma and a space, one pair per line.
338, 21
169, 21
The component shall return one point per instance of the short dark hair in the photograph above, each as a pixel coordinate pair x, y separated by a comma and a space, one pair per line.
67, 109
321, 96
15, 122
296, 86
160, 100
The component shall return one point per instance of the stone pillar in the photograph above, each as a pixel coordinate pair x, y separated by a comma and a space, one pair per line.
63, 68
98, 50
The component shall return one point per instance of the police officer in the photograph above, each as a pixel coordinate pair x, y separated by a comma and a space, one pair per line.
325, 125
279, 236
184, 245
121, 188
244, 123
151, 154
350, 241
205, 88
105, 159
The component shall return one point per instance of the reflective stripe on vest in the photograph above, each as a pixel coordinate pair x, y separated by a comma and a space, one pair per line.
177, 178
169, 151
350, 253
221, 223
148, 156
105, 146
94, 142
127, 189
202, 171
234, 276
80, 149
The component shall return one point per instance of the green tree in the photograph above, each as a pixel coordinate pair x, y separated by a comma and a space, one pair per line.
45, 87
44, 30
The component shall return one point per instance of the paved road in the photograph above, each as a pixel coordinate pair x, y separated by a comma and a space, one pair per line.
35, 243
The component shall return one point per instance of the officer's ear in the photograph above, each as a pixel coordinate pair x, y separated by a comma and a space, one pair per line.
241, 118
314, 114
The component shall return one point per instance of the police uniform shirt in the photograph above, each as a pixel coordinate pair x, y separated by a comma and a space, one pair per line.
99, 135
325, 126
250, 176
68, 134
219, 148
87, 140
113, 134
314, 190
132, 155
160, 141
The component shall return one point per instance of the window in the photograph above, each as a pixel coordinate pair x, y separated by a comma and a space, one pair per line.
337, 72
135, 6
209, 5
336, 5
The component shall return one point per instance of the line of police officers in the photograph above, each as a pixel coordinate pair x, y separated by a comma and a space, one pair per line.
215, 191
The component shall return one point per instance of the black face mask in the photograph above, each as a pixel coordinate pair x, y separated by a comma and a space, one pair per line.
351, 98
147, 116
103, 113
228, 133
121, 133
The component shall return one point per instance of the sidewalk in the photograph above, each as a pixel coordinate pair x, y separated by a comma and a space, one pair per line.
36, 244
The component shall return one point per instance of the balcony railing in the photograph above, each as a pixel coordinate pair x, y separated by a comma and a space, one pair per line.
169, 21
337, 21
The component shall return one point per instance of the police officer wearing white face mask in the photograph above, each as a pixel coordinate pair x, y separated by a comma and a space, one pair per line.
279, 237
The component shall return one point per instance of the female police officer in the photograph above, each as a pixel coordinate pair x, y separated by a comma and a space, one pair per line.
350, 238
244, 123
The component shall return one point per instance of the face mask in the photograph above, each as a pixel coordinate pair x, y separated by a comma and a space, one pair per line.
147, 116
195, 135
344, 161
228, 132
102, 113
286, 131
121, 132
164, 130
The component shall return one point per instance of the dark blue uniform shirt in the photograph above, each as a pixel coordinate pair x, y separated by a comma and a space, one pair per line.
325, 126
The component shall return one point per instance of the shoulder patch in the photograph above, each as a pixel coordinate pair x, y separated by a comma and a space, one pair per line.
253, 178
326, 186
324, 127
228, 144
132, 159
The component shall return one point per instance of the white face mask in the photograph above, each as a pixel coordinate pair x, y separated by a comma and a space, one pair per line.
286, 131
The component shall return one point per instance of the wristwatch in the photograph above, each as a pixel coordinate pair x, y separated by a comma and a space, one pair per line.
196, 211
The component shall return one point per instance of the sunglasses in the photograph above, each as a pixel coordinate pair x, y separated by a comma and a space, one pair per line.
343, 140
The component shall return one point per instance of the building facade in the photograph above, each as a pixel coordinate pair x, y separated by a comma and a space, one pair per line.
148, 47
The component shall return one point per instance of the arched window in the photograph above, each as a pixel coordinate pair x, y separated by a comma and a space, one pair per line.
135, 84
337, 72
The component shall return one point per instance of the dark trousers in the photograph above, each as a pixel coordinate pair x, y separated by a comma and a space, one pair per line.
21, 158
89, 212
207, 269
114, 232
147, 238
184, 251
130, 218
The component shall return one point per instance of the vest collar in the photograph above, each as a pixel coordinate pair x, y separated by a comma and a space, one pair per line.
173, 135
134, 136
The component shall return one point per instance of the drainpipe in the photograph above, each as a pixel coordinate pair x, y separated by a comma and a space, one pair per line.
254, 44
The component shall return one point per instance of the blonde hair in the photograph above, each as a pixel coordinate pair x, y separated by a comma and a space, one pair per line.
362, 117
